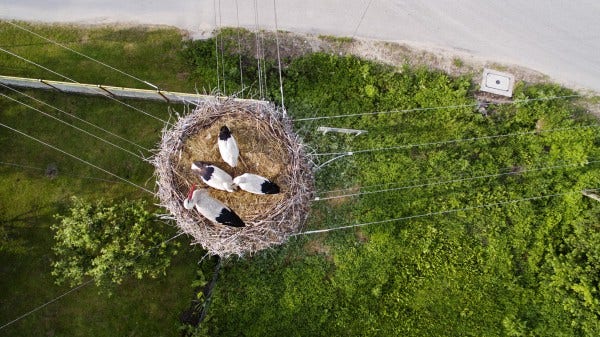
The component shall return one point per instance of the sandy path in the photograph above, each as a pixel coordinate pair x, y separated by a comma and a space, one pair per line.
558, 37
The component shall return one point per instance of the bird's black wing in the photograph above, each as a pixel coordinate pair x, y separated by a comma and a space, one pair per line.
229, 218
269, 187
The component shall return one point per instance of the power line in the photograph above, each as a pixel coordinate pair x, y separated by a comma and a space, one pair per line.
258, 50
73, 126
278, 57
454, 181
79, 286
46, 304
458, 106
77, 158
72, 80
514, 201
217, 48
35, 44
75, 116
70, 175
264, 62
98, 61
362, 17
37, 65
81, 54
237, 14
453, 141
222, 50
423, 180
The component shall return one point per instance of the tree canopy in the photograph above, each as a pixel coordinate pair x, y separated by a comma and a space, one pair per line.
109, 241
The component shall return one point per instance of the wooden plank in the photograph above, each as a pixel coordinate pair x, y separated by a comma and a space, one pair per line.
591, 195
326, 129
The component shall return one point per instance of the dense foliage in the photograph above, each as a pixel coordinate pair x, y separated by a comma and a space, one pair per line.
516, 268
108, 242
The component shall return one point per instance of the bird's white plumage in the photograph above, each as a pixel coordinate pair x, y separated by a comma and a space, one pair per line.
229, 151
250, 182
209, 207
188, 203
219, 179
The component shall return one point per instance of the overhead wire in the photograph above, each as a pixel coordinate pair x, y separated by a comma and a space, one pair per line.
217, 48
453, 141
75, 117
48, 40
222, 50
464, 209
76, 157
46, 304
73, 126
445, 182
80, 286
264, 62
457, 106
237, 14
104, 94
45, 169
81, 54
362, 17
421, 181
278, 57
37, 65
258, 50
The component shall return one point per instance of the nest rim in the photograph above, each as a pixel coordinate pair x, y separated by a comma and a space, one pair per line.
266, 228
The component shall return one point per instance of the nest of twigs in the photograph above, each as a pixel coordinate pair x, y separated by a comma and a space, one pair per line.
268, 147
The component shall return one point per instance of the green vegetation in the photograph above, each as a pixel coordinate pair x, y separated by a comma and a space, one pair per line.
526, 268
458, 62
109, 241
29, 198
336, 39
489, 271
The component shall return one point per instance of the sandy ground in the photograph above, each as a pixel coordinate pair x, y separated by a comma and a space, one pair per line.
557, 37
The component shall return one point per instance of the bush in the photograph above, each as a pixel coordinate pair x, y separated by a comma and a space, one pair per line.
109, 241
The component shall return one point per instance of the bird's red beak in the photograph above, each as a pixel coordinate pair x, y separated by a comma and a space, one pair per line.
192, 189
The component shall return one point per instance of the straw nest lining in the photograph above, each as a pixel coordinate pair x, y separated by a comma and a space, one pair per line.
268, 147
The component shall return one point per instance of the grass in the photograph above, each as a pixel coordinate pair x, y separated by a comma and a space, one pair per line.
458, 62
31, 199
336, 39
149, 53
486, 271
525, 268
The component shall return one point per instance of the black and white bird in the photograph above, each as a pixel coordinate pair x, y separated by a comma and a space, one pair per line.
255, 184
228, 147
213, 176
211, 208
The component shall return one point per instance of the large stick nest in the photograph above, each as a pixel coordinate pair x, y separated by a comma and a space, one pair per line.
268, 147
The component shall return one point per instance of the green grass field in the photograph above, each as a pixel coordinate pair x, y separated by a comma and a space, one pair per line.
523, 268
30, 198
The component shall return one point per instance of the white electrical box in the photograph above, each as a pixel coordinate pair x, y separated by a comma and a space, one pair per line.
497, 82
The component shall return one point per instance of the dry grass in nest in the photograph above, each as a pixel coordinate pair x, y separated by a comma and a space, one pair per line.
268, 147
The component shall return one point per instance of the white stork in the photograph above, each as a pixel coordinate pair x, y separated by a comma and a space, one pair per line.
211, 208
228, 147
255, 184
213, 176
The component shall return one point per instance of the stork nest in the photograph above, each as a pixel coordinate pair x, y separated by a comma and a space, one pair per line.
268, 147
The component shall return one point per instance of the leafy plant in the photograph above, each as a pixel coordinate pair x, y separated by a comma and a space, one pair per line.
108, 242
